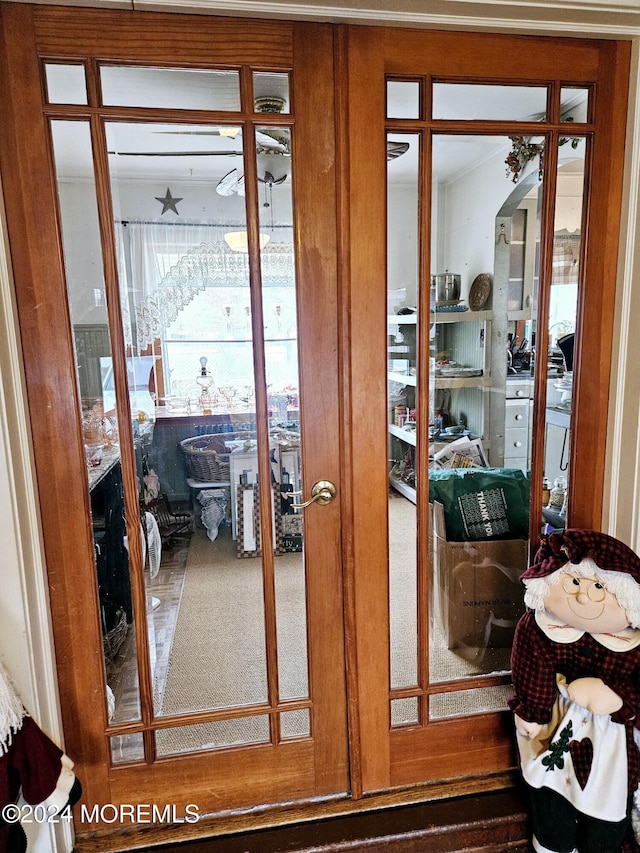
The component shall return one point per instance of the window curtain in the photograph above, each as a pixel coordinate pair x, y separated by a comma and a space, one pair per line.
171, 263
123, 279
566, 257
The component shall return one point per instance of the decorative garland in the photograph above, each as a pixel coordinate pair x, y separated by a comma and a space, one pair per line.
522, 152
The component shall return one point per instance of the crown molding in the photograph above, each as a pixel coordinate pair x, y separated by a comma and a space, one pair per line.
587, 18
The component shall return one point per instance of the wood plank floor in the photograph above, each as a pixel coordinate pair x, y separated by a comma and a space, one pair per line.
165, 588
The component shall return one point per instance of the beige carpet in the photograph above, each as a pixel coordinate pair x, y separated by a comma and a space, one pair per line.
444, 664
218, 657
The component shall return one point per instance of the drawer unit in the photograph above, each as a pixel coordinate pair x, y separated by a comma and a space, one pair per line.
516, 443
516, 414
517, 424
519, 390
516, 448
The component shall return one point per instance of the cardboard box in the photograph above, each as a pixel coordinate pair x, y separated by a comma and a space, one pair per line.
478, 594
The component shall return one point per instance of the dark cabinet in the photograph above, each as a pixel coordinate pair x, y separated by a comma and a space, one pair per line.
112, 558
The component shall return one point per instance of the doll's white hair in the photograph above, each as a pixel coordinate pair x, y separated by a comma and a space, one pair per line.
619, 584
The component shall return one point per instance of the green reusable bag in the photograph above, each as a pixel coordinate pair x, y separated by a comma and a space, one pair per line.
482, 503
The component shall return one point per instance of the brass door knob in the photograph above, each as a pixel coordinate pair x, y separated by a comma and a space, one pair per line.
322, 492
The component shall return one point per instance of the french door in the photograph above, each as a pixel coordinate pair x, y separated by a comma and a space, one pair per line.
224, 261
195, 382
475, 252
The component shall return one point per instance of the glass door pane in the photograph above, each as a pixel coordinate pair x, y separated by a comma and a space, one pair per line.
92, 335
216, 342
461, 376
283, 402
402, 386
481, 372
562, 329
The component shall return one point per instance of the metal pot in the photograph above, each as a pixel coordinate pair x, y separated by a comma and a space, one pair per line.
447, 287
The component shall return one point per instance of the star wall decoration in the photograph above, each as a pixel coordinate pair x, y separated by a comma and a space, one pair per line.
169, 203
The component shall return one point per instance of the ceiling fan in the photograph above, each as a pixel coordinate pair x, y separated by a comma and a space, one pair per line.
273, 144
269, 140
233, 183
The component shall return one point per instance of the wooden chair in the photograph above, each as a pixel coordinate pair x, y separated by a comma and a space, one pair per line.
170, 524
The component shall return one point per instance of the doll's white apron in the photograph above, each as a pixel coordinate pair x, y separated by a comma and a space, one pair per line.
565, 754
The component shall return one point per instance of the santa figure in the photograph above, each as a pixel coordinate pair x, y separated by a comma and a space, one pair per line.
34, 772
576, 674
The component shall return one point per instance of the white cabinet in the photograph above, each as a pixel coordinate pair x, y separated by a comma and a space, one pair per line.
517, 423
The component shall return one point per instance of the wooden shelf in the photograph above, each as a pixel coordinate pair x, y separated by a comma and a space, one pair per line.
441, 317
402, 319
460, 316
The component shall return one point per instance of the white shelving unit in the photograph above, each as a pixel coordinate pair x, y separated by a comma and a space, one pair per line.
474, 346
459, 316
403, 378
403, 434
402, 487
405, 353
462, 381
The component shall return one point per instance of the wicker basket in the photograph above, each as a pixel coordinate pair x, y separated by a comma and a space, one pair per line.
203, 461
114, 638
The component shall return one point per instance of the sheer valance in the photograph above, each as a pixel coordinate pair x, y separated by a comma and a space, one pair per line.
166, 266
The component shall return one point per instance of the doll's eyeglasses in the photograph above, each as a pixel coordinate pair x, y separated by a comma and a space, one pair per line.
595, 589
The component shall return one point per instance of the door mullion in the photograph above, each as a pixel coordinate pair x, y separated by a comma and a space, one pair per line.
262, 422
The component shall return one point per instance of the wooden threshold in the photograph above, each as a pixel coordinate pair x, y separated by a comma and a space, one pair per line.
493, 821
489, 823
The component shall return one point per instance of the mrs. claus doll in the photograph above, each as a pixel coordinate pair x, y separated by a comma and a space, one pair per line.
576, 674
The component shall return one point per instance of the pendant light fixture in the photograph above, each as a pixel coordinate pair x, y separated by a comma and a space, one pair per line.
238, 241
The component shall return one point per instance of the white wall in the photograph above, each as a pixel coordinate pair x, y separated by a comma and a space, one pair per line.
26, 639
621, 511
138, 200
463, 241
471, 204
200, 202
82, 252
402, 241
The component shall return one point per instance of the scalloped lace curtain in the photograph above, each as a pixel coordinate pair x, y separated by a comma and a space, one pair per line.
168, 265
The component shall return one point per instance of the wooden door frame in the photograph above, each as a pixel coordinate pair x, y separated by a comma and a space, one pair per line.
398, 758
30, 196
